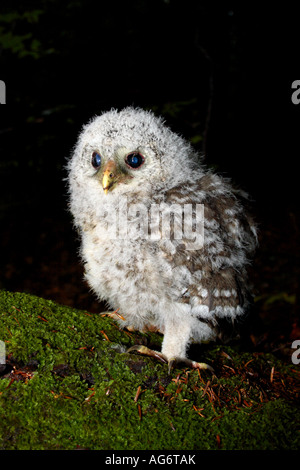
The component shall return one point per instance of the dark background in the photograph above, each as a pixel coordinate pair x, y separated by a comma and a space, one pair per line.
221, 75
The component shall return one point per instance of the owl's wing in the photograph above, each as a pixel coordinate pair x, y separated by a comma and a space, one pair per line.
212, 277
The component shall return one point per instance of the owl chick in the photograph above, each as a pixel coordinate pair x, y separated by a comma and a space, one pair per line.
165, 241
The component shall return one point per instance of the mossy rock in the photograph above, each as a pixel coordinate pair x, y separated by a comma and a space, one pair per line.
68, 383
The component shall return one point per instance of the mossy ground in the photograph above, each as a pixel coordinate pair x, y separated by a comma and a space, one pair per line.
69, 384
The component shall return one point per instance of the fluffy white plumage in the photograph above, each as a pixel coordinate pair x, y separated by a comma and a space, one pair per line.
130, 157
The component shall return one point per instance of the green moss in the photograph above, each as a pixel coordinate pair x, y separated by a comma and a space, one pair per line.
69, 384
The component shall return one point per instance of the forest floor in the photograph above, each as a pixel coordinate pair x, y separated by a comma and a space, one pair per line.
68, 383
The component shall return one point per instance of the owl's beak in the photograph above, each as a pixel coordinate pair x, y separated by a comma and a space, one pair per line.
109, 175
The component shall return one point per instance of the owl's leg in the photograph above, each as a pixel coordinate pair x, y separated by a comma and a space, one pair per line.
175, 342
174, 346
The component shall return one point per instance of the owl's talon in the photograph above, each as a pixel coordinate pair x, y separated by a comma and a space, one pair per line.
114, 315
117, 317
171, 362
147, 352
188, 363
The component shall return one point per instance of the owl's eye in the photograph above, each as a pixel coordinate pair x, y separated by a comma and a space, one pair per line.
134, 160
96, 160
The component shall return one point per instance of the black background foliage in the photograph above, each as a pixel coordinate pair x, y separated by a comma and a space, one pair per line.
221, 75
